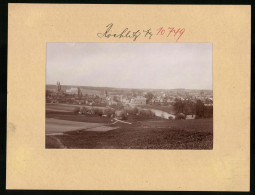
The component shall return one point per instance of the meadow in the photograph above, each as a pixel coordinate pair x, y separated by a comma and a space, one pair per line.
65, 107
95, 132
60, 126
138, 138
168, 109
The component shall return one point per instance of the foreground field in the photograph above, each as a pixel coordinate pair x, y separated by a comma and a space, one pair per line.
60, 126
199, 125
141, 134
139, 138
95, 132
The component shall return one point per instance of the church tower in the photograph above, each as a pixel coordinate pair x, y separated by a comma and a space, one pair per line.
58, 86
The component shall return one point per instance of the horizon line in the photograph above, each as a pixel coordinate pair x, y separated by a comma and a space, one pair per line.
131, 88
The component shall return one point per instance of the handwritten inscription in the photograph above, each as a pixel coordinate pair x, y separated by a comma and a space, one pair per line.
126, 33
134, 35
171, 31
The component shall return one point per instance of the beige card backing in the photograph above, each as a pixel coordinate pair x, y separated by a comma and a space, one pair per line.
31, 166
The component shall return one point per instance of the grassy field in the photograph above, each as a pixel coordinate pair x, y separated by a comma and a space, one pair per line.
61, 107
76, 117
66, 107
60, 126
138, 138
168, 109
95, 132
143, 134
199, 125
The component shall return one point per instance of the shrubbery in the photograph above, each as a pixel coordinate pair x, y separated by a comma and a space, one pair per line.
146, 113
198, 108
180, 116
98, 111
171, 118
135, 110
121, 114
109, 112
76, 110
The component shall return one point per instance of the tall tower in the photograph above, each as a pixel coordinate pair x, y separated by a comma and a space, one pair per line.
58, 86
106, 93
79, 92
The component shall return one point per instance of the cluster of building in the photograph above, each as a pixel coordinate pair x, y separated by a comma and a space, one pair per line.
77, 95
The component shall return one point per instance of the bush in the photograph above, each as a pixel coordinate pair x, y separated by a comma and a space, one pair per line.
135, 110
121, 114
109, 112
98, 111
76, 110
180, 116
131, 110
171, 118
146, 113
82, 110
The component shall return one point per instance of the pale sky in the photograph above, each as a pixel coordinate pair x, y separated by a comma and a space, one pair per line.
131, 65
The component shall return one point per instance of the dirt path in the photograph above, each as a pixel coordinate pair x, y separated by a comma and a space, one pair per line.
117, 120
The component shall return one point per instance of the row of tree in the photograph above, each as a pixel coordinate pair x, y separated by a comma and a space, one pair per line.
110, 112
189, 107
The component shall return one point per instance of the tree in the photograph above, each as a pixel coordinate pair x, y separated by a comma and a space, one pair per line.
120, 105
135, 110
180, 116
149, 96
76, 110
116, 98
109, 112
179, 106
189, 107
200, 108
48, 93
208, 111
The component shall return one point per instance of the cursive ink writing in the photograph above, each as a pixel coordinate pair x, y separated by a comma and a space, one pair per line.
148, 32
126, 33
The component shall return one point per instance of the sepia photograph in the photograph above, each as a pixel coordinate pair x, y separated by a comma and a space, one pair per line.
129, 96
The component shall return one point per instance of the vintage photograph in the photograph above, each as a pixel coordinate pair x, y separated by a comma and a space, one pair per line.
129, 96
